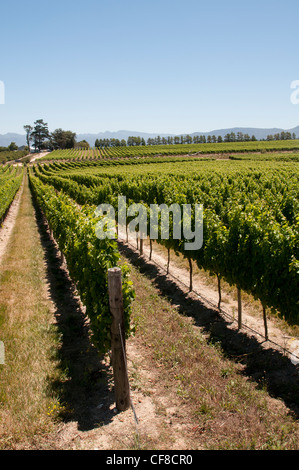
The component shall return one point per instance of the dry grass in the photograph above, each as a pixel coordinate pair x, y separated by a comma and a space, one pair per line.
227, 409
206, 395
228, 292
27, 404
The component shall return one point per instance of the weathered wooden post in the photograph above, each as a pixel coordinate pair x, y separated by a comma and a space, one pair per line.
151, 249
168, 260
141, 245
239, 309
219, 291
190, 274
265, 323
118, 348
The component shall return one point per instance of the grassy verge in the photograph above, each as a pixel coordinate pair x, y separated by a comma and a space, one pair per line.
27, 404
222, 405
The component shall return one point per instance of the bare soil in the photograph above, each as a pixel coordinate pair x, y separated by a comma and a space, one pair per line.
159, 418
156, 418
9, 222
38, 156
205, 287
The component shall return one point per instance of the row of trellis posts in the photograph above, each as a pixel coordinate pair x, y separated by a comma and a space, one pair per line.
118, 347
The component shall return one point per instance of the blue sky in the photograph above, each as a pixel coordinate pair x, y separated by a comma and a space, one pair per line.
167, 66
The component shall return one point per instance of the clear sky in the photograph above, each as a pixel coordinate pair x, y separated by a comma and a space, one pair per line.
162, 66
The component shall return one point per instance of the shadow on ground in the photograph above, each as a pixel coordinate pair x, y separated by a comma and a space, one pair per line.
87, 391
267, 366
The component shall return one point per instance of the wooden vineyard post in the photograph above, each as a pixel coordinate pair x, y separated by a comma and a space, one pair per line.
168, 260
190, 274
119, 360
151, 249
141, 246
219, 292
265, 323
239, 309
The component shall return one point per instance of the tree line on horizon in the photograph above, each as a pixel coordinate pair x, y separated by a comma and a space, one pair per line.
173, 140
42, 139
188, 139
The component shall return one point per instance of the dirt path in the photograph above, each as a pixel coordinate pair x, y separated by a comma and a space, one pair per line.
38, 155
206, 289
90, 420
93, 422
157, 418
27, 331
9, 222
164, 419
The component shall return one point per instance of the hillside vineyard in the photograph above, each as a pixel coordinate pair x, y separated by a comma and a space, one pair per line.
172, 149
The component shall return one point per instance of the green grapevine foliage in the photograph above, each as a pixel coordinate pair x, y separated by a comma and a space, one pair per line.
251, 214
88, 258
10, 181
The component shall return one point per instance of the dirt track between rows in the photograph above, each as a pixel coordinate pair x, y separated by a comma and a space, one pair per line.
9, 223
252, 320
95, 422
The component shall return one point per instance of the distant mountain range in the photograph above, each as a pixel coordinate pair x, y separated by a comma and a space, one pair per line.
259, 133
6, 139
123, 134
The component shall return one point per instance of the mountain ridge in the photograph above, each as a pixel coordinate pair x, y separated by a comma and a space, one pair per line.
260, 134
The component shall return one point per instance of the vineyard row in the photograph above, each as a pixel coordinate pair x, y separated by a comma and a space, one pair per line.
250, 224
